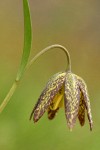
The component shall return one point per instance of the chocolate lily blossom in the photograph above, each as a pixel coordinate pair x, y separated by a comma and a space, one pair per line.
68, 90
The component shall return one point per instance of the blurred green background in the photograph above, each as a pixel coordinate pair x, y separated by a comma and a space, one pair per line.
72, 23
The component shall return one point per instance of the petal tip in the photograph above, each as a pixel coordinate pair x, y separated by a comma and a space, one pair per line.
31, 116
91, 126
70, 129
70, 126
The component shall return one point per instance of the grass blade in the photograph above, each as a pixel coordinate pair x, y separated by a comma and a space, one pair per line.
25, 55
27, 39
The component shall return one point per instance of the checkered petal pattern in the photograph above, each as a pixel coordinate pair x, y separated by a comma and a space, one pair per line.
83, 88
71, 99
47, 96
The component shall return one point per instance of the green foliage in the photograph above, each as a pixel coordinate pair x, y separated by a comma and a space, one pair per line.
26, 53
27, 39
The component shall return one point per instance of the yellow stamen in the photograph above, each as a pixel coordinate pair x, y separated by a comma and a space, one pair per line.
57, 102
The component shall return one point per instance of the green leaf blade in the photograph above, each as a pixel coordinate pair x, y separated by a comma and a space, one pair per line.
27, 39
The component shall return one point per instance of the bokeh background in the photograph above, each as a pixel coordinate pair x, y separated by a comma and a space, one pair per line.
72, 23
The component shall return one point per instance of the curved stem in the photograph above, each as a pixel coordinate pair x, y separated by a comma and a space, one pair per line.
8, 96
49, 48
16, 82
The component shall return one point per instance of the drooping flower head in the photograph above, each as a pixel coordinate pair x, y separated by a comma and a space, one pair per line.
68, 90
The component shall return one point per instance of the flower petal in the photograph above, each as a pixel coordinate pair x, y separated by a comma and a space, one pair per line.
81, 112
52, 113
71, 98
56, 104
48, 94
84, 90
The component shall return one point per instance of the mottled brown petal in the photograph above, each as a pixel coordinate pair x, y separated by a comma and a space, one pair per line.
81, 112
52, 113
71, 98
84, 90
52, 88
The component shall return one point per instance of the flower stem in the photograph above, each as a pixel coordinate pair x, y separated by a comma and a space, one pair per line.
8, 96
16, 82
49, 48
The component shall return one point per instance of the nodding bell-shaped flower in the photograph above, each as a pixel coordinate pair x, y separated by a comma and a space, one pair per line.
64, 89
68, 90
